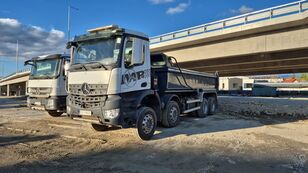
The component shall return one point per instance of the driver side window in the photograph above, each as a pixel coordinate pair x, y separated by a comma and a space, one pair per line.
128, 52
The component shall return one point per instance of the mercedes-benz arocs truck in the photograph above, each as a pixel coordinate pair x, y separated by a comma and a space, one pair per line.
46, 85
114, 80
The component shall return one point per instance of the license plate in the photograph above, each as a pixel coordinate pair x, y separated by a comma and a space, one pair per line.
84, 112
37, 103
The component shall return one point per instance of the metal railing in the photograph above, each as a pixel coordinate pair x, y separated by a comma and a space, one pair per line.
256, 16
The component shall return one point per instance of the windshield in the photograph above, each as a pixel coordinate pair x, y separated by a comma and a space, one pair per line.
105, 51
48, 68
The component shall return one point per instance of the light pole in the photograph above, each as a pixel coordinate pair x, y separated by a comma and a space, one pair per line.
17, 56
69, 19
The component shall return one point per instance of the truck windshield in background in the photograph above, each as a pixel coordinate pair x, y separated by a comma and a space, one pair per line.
104, 51
48, 68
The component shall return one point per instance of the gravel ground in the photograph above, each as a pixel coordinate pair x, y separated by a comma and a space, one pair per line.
265, 107
231, 141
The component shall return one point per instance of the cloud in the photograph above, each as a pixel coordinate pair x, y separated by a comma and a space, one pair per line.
242, 10
178, 9
33, 40
160, 1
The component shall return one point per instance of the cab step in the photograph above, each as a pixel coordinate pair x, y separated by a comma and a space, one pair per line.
193, 101
192, 109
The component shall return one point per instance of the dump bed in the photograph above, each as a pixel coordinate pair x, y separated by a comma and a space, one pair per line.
168, 77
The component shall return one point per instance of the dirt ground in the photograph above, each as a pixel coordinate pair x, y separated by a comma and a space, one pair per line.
32, 141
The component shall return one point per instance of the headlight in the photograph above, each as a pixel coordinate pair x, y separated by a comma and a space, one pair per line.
112, 113
68, 109
50, 103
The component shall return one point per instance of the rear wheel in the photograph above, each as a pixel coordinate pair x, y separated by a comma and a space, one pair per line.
171, 115
146, 122
212, 105
99, 127
204, 109
55, 113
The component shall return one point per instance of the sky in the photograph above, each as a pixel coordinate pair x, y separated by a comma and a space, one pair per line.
40, 26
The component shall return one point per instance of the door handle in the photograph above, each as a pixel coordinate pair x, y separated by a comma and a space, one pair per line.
144, 84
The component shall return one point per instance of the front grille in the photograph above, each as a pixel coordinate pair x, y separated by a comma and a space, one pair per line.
95, 89
39, 91
92, 99
86, 101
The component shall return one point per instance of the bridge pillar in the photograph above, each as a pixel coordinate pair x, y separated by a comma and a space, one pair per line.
7, 90
26, 88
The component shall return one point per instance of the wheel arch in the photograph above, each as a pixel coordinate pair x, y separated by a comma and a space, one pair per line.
210, 94
151, 99
170, 97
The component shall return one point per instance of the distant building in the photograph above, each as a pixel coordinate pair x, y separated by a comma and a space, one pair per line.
243, 83
290, 80
230, 83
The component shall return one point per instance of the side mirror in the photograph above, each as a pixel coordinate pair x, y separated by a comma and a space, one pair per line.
66, 67
71, 44
29, 62
138, 52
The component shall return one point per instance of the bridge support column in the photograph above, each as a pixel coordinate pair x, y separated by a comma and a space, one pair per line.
7, 90
26, 88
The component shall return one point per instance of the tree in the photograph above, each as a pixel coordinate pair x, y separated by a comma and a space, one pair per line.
304, 77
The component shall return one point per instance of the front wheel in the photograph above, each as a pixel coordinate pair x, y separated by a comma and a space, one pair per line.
55, 113
146, 122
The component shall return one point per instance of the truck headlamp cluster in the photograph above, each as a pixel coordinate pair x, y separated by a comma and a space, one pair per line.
68, 109
111, 113
50, 103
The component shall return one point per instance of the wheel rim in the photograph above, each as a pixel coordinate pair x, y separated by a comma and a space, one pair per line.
205, 107
173, 114
147, 123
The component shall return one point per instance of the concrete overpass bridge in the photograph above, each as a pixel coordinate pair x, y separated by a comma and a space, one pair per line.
15, 84
270, 41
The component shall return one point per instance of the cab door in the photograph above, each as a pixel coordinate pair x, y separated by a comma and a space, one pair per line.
136, 66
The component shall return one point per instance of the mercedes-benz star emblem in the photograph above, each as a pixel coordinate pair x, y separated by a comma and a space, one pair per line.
85, 88
37, 91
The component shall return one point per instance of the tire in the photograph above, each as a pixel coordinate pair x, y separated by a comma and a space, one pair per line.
171, 114
146, 122
99, 127
55, 113
204, 109
212, 105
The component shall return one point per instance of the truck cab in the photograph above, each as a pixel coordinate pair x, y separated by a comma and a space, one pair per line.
112, 82
46, 86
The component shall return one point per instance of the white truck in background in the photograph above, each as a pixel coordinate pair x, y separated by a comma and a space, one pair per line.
46, 85
113, 80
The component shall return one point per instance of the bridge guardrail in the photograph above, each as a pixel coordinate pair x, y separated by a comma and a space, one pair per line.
256, 16
16, 73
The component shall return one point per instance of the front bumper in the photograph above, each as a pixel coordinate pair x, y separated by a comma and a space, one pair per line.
108, 113
49, 104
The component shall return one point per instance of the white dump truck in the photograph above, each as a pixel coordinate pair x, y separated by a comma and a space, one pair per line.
46, 86
114, 80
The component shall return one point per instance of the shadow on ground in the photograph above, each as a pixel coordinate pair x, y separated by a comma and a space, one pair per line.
217, 123
12, 140
14, 102
144, 158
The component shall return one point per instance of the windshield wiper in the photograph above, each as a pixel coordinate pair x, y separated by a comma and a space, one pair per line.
100, 65
79, 65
